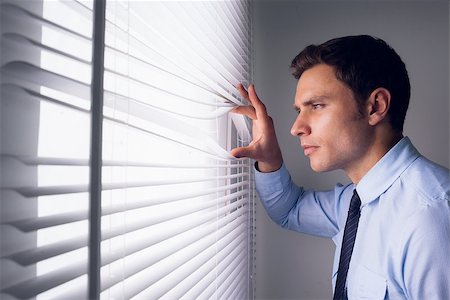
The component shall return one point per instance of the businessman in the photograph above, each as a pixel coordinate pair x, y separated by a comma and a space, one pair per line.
391, 225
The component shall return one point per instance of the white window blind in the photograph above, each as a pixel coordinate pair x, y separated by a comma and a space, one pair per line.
177, 211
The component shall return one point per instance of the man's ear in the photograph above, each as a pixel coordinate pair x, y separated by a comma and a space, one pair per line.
378, 105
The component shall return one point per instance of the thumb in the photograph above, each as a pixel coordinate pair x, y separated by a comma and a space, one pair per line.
242, 152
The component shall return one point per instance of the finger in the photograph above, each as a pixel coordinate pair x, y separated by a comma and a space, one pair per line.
242, 91
242, 152
248, 111
260, 108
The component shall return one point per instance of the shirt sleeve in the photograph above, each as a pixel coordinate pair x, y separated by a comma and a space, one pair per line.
295, 208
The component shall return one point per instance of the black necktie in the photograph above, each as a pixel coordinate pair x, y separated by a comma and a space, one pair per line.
348, 241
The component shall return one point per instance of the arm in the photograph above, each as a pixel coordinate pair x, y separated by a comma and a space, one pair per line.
294, 208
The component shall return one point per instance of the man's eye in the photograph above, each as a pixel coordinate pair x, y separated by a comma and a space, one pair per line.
316, 106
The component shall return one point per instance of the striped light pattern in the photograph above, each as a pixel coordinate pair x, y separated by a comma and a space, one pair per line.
177, 211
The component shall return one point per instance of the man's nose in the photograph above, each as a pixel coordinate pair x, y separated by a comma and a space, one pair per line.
300, 126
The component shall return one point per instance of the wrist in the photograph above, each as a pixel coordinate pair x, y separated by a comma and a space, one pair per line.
266, 167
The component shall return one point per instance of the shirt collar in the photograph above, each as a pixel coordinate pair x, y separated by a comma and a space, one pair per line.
383, 174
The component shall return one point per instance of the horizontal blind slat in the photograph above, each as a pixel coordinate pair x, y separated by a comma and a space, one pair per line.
228, 42
35, 75
208, 279
37, 254
26, 15
40, 284
68, 189
224, 270
27, 42
28, 92
199, 275
143, 264
233, 281
186, 195
176, 241
170, 266
110, 95
224, 267
192, 264
170, 52
233, 20
210, 51
218, 15
209, 147
31, 256
63, 161
207, 217
144, 109
166, 62
35, 286
239, 287
118, 54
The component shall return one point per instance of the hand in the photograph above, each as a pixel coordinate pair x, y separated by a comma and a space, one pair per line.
264, 146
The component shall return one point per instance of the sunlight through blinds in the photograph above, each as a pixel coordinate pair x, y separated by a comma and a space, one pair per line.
45, 101
177, 211
170, 72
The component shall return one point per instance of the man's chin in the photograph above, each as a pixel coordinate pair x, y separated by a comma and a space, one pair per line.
320, 167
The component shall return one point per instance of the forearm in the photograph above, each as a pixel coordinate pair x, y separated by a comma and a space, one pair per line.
278, 194
295, 208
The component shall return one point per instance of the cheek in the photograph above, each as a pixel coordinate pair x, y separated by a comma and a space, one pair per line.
331, 131
324, 125
341, 138
351, 142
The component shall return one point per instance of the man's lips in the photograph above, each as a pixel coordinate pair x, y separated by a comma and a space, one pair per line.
308, 149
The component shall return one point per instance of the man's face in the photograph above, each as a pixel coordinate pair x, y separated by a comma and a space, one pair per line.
334, 134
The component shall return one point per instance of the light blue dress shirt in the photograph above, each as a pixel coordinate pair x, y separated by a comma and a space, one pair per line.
402, 247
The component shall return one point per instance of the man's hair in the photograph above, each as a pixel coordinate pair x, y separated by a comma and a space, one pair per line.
363, 63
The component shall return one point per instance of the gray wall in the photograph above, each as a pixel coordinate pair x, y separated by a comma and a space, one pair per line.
296, 266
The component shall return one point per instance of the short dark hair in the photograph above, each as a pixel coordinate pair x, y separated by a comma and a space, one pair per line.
363, 63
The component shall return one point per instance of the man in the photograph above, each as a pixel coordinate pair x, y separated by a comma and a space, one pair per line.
393, 222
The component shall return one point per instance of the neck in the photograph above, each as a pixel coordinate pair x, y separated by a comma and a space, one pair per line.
381, 144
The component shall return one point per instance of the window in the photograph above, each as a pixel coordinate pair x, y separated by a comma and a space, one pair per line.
177, 212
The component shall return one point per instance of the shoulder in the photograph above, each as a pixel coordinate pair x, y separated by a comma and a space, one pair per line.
429, 180
422, 204
426, 193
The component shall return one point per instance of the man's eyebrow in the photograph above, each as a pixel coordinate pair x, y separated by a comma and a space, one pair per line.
310, 101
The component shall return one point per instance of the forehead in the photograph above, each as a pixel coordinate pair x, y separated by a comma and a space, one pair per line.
320, 81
